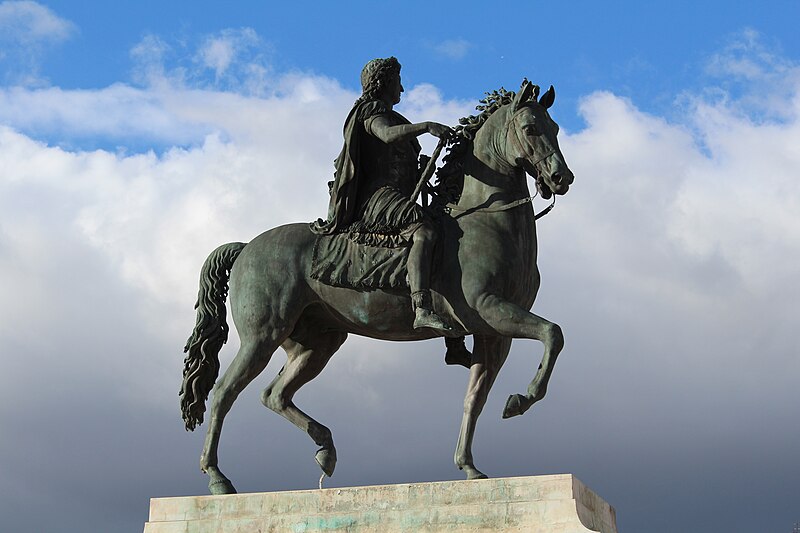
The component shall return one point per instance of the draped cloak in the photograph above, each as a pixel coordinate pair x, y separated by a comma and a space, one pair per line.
351, 175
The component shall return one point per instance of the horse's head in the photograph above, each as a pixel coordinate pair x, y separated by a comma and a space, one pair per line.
531, 140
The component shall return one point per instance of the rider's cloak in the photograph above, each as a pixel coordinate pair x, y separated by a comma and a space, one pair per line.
349, 176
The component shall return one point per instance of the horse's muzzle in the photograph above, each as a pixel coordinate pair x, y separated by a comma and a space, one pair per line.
559, 182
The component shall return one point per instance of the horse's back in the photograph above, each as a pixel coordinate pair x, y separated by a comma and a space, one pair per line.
276, 264
290, 245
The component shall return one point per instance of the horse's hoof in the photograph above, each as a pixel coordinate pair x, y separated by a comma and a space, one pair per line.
221, 486
326, 459
474, 473
516, 405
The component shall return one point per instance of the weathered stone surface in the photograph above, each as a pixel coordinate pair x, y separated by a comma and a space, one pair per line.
540, 504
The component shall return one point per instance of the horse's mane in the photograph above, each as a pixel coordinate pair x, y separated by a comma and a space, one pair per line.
450, 178
468, 126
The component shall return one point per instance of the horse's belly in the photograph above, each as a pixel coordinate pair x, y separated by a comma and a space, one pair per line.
375, 314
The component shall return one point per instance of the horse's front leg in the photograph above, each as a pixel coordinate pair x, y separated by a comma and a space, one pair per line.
513, 321
488, 356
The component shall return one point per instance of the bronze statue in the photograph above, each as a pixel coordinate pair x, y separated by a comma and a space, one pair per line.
304, 288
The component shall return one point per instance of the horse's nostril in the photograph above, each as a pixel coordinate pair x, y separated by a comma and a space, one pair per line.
557, 178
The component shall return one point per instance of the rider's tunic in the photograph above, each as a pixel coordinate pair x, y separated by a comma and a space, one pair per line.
371, 194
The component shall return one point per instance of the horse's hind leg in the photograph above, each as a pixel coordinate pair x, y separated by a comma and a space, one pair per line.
511, 320
250, 361
489, 354
307, 356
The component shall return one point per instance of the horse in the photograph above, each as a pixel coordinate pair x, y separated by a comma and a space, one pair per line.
485, 285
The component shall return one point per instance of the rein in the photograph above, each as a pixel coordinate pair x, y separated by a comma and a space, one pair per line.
505, 207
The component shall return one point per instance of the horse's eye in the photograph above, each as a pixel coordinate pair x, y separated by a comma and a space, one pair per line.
530, 129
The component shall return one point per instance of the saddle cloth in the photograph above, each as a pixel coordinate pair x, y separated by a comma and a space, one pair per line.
340, 262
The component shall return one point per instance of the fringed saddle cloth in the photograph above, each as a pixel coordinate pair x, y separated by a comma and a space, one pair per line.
360, 261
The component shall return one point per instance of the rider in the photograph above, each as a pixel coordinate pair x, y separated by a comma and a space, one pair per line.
376, 173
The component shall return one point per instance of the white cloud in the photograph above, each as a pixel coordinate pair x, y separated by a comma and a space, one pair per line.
119, 112
425, 102
766, 79
218, 52
237, 58
687, 235
30, 22
26, 29
149, 56
193, 195
168, 113
452, 48
746, 56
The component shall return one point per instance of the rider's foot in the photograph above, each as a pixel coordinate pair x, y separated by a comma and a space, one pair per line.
457, 353
425, 318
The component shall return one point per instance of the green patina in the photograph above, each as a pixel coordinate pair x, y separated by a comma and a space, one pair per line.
409, 520
336, 522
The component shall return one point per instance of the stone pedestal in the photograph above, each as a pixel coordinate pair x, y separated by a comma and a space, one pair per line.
540, 504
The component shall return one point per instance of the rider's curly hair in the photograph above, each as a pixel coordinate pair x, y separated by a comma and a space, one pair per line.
375, 75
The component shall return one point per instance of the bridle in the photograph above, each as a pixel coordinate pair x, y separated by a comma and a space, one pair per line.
449, 207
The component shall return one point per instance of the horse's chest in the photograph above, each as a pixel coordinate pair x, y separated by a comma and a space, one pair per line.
500, 257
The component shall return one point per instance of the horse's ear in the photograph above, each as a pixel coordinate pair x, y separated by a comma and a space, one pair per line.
526, 92
548, 98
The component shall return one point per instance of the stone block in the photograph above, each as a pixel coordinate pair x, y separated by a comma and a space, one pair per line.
535, 504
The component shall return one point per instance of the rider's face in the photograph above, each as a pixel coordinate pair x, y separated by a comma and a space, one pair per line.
394, 89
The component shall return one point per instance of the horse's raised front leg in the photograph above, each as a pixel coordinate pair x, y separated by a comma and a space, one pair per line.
307, 356
511, 320
250, 361
488, 356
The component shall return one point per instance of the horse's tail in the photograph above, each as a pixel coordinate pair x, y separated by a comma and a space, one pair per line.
201, 365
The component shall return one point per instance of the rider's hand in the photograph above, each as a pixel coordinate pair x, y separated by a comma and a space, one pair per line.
440, 130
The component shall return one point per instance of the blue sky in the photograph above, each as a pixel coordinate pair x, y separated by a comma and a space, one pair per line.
651, 52
136, 137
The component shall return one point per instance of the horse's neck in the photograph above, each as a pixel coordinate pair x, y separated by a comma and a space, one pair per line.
489, 174
491, 182
488, 178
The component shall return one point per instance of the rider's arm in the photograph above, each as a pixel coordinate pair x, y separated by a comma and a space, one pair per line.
381, 127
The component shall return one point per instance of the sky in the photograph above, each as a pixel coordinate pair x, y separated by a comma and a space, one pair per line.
137, 137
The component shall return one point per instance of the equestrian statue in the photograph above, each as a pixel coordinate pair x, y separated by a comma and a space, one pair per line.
387, 266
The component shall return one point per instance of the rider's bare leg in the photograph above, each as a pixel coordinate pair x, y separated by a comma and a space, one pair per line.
489, 355
419, 278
